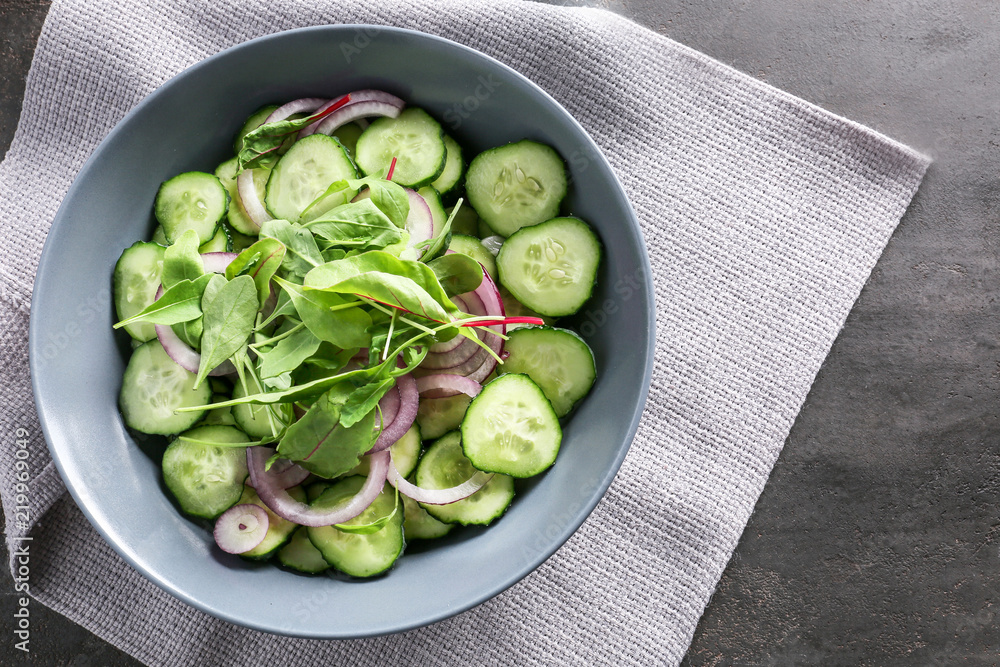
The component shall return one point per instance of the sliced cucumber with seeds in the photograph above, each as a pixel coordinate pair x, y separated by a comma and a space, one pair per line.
237, 216
360, 555
278, 530
405, 453
206, 480
192, 200
471, 246
153, 387
443, 466
558, 360
510, 428
137, 277
437, 416
454, 167
551, 268
416, 141
516, 185
304, 173
300, 554
419, 525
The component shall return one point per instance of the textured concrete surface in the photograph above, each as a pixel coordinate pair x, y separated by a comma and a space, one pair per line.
877, 539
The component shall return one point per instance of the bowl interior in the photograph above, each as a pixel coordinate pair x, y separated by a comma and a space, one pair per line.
77, 362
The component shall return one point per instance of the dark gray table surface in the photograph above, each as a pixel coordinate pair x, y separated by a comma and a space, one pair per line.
877, 538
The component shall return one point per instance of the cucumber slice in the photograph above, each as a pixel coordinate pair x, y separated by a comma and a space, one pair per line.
354, 554
237, 216
511, 428
240, 240
466, 221
416, 141
437, 416
470, 245
206, 480
300, 554
516, 185
304, 173
136, 279
153, 387
433, 199
218, 416
558, 361
454, 167
278, 530
405, 453
159, 238
192, 200
253, 418
551, 268
348, 136
218, 243
443, 466
419, 525
514, 308
252, 123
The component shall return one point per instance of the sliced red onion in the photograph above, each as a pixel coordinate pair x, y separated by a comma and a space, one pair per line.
448, 346
409, 400
248, 198
420, 222
241, 528
443, 385
308, 105
390, 406
438, 496
216, 262
363, 103
493, 243
280, 502
285, 474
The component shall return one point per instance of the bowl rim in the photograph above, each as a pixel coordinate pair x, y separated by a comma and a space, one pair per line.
41, 287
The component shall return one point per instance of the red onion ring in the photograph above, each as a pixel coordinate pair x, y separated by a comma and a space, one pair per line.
409, 400
390, 406
443, 385
251, 203
217, 262
285, 474
438, 496
309, 105
420, 222
241, 528
363, 103
281, 502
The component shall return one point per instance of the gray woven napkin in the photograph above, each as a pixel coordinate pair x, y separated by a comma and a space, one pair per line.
763, 216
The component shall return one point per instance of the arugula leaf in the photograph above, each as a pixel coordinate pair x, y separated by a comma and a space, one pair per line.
356, 225
228, 322
363, 400
288, 354
260, 145
437, 245
300, 392
320, 443
457, 273
345, 327
181, 260
180, 303
301, 252
259, 261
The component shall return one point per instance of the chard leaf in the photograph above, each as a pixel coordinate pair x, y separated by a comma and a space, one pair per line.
180, 303
320, 443
288, 354
259, 261
355, 225
301, 252
344, 327
457, 273
363, 400
332, 274
181, 260
260, 146
228, 322
394, 291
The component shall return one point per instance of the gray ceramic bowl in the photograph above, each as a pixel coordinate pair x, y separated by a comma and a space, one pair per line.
189, 124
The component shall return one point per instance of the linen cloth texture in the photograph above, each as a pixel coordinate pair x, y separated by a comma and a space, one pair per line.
763, 216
